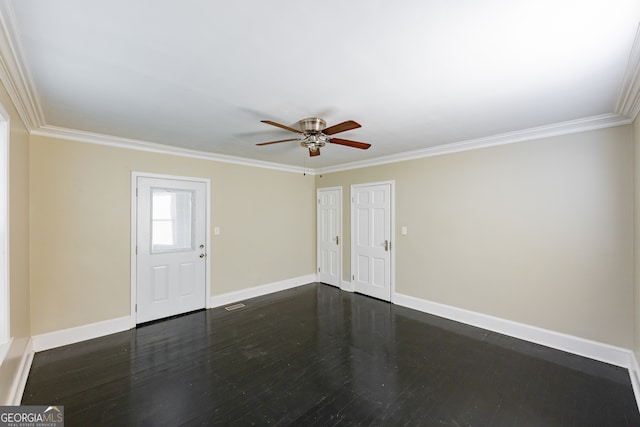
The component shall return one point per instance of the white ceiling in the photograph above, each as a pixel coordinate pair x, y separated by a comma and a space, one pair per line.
416, 74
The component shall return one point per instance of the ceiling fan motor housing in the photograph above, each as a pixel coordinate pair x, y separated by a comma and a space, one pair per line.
312, 125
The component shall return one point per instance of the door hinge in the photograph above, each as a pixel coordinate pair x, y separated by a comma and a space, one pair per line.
353, 277
136, 308
318, 201
318, 269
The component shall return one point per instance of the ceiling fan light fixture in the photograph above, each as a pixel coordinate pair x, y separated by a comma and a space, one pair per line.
314, 141
312, 144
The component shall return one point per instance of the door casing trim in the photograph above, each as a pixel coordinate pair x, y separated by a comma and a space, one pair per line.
340, 231
392, 220
134, 235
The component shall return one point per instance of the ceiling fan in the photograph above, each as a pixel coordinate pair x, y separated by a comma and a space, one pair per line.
314, 134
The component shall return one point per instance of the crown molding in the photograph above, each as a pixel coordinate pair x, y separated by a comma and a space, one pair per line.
14, 75
152, 147
564, 128
572, 126
628, 104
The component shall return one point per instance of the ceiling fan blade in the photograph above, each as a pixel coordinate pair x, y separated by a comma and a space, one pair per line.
314, 153
285, 127
354, 144
341, 127
275, 142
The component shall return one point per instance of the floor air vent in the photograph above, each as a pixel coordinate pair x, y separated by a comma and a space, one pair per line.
234, 307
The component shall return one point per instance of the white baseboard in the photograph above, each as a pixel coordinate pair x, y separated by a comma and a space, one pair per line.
583, 347
347, 286
81, 333
20, 381
257, 291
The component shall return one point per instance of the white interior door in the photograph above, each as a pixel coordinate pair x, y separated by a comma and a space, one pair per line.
329, 219
171, 252
371, 239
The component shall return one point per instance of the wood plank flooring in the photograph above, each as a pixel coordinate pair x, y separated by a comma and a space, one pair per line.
316, 356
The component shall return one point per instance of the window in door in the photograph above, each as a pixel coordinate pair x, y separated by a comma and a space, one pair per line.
172, 220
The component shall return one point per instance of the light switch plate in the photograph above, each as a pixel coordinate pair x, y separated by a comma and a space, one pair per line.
216, 231
404, 231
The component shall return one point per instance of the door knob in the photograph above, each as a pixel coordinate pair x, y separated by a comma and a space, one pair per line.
202, 255
337, 240
386, 245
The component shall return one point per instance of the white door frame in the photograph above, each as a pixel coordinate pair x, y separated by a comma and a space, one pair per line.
134, 235
340, 213
392, 219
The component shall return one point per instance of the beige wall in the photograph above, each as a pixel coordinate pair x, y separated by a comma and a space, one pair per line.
19, 227
538, 232
18, 247
80, 227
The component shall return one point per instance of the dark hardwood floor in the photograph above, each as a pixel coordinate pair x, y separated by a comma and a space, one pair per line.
316, 356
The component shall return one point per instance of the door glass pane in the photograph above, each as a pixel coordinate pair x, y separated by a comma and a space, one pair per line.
171, 220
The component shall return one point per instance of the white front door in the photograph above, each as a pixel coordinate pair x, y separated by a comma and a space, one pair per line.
329, 218
371, 239
171, 256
